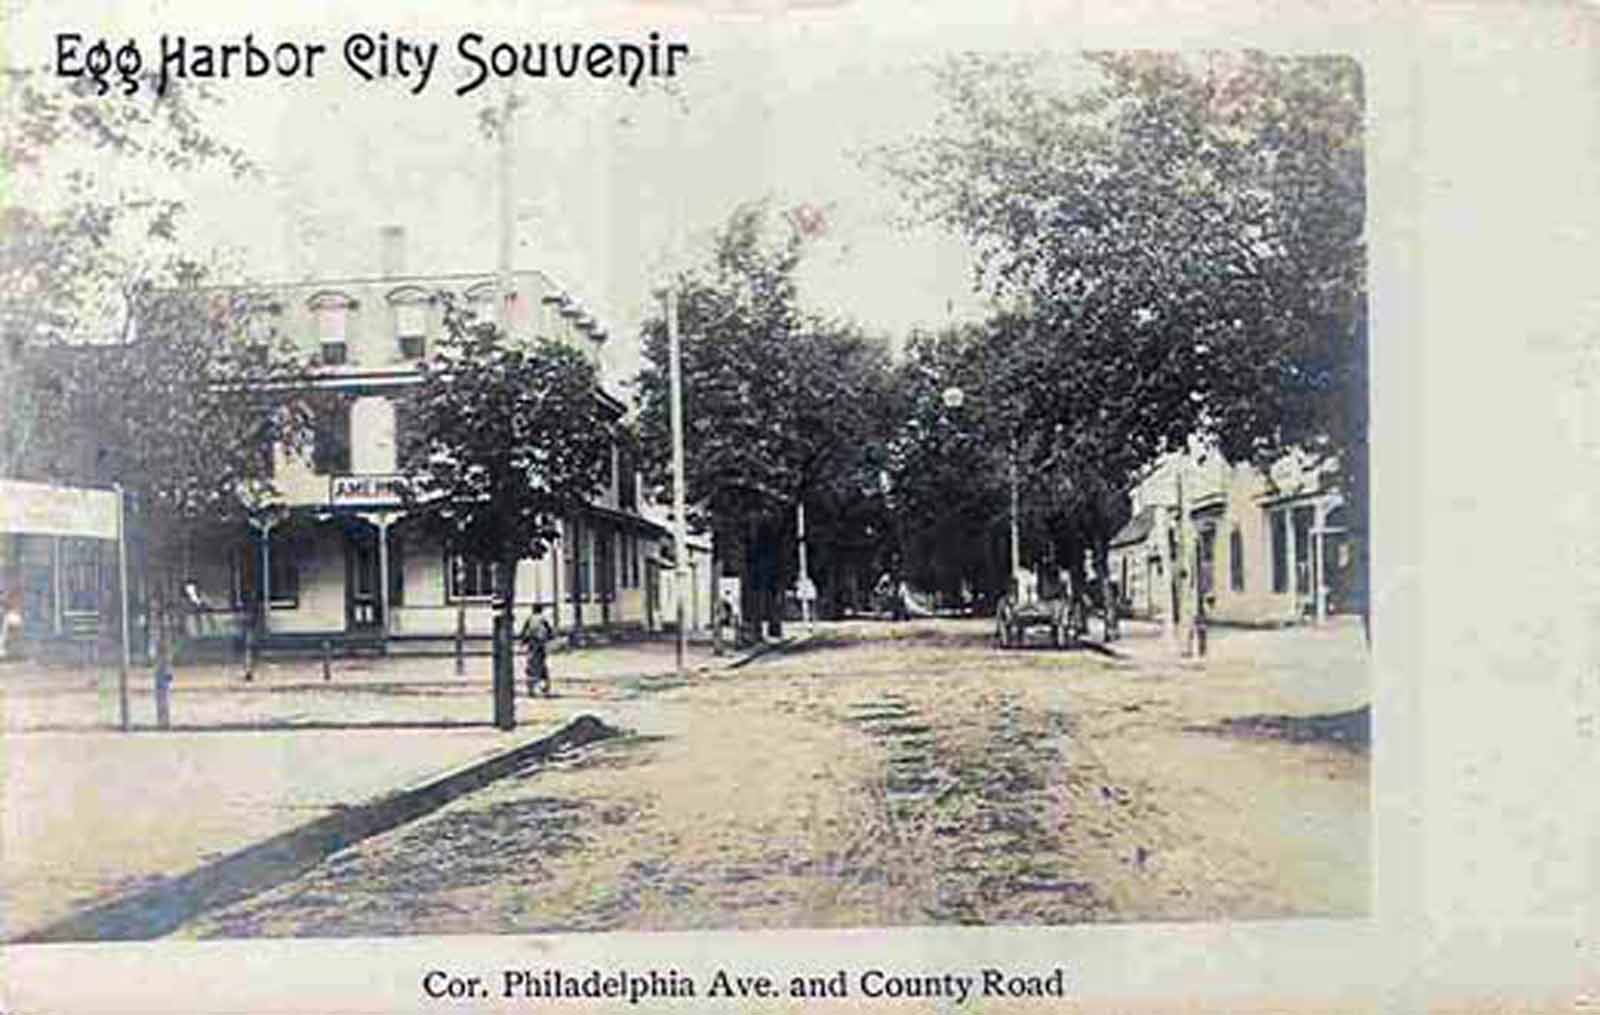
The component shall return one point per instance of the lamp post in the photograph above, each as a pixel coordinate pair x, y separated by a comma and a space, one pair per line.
954, 398
803, 586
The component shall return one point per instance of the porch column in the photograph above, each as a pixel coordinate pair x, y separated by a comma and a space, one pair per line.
1318, 585
605, 538
55, 585
381, 520
1294, 560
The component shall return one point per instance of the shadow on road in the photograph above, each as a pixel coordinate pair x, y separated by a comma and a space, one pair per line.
268, 726
1352, 729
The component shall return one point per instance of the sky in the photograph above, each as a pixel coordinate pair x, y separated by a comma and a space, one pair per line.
611, 185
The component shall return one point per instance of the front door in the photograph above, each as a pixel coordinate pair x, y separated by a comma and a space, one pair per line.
363, 610
652, 593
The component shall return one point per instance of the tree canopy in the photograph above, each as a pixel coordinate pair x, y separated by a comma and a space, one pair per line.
506, 440
83, 242
780, 405
1185, 233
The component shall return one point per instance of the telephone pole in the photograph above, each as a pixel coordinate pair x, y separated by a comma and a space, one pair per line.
680, 537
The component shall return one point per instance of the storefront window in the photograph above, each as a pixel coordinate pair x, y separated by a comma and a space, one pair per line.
1236, 560
468, 578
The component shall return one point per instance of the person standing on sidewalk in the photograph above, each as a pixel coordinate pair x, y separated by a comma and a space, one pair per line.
536, 635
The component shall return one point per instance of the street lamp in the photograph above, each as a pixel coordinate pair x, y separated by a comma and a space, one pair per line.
954, 398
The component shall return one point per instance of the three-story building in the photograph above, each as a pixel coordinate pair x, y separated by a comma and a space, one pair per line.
335, 557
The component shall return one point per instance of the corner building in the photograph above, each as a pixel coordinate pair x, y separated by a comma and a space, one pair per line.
335, 559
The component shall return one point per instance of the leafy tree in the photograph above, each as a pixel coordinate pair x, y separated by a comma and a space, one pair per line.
184, 415
949, 472
118, 365
1185, 235
779, 406
508, 439
79, 243
954, 464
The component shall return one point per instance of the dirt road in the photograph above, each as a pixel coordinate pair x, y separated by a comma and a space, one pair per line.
885, 775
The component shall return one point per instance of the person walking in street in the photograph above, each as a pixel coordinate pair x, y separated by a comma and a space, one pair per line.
536, 635
10, 620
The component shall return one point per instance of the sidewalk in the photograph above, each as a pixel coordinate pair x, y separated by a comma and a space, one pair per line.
92, 813
1303, 669
404, 690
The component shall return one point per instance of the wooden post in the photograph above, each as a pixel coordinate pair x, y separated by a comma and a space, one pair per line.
327, 659
461, 640
249, 651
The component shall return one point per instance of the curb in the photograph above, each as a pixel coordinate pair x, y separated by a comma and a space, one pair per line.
156, 911
766, 648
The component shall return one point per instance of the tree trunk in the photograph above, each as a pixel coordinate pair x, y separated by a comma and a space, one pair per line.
166, 647
1102, 564
504, 667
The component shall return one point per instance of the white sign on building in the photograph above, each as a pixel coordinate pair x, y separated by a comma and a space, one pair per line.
46, 510
378, 489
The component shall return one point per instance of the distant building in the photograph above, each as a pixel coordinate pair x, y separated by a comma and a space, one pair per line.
1266, 548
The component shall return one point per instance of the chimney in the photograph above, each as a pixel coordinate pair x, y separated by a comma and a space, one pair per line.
392, 246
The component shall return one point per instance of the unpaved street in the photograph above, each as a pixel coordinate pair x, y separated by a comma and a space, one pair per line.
884, 775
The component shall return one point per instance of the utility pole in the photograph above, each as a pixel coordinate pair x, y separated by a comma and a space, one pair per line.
1016, 527
680, 536
503, 664
1184, 628
122, 592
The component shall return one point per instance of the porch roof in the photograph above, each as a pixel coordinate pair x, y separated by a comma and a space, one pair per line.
1138, 528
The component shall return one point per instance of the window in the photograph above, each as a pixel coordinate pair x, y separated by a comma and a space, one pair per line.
467, 578
331, 312
83, 578
259, 333
1236, 560
258, 327
605, 564
1302, 549
480, 299
411, 328
330, 449
1279, 528
404, 427
630, 560
283, 574
627, 481
585, 562
1205, 559
331, 334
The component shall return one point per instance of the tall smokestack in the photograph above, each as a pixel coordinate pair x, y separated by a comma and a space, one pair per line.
392, 244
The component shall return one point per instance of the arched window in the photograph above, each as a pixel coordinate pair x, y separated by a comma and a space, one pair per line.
331, 311
410, 308
480, 299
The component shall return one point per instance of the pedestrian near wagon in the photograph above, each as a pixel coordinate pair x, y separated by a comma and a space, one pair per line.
10, 620
536, 635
